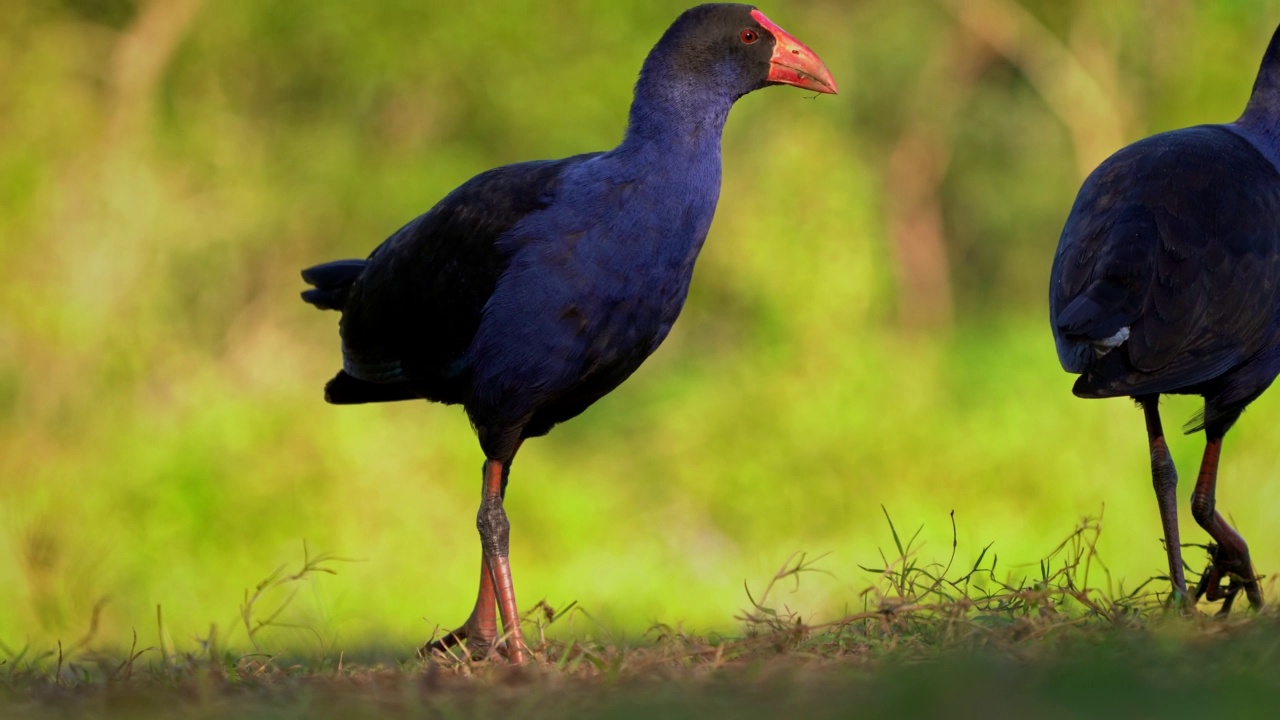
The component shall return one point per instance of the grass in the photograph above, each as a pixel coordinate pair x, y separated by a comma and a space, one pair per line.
1060, 639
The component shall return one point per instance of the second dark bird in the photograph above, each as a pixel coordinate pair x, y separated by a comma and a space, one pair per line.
532, 290
1167, 280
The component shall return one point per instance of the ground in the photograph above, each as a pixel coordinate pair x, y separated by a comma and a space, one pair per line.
932, 641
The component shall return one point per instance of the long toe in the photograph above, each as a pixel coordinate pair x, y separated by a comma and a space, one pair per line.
479, 644
1237, 572
444, 644
1253, 590
1249, 581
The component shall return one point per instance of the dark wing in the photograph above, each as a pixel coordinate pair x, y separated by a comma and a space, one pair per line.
409, 317
1177, 238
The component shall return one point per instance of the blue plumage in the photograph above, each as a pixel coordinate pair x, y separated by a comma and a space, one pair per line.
594, 283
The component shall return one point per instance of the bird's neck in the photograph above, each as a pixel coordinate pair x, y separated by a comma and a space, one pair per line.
676, 117
1261, 116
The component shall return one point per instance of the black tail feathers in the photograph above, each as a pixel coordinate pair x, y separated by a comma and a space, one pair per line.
330, 282
344, 389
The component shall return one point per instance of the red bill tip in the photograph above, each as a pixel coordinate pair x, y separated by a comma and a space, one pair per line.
793, 63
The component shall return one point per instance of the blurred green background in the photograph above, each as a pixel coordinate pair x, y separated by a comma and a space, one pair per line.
867, 324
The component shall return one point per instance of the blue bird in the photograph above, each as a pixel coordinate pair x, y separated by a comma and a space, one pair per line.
1167, 280
533, 290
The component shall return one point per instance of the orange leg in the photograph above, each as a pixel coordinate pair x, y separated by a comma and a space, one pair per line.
481, 629
1230, 554
496, 587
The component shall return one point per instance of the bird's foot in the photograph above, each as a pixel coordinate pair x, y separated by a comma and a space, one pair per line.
480, 645
480, 641
1180, 601
1237, 571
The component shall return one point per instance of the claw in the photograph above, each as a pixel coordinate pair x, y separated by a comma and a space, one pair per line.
478, 647
1221, 567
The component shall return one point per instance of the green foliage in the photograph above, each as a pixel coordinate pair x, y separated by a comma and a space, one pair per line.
167, 168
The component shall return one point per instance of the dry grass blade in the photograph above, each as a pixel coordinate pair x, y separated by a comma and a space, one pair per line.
917, 614
924, 605
278, 579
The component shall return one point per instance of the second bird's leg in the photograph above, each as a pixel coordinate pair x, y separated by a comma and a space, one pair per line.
496, 588
1164, 476
1230, 554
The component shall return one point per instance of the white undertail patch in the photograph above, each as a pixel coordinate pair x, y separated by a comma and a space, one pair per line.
1106, 345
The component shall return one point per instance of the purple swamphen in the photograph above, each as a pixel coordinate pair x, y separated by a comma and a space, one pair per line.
1167, 280
533, 290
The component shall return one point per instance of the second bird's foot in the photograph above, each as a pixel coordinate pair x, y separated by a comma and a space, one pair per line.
1238, 574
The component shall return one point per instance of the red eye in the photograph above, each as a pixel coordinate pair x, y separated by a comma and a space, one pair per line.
749, 36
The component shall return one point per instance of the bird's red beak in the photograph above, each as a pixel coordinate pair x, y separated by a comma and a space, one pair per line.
793, 63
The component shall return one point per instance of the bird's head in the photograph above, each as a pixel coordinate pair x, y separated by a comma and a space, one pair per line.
740, 50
